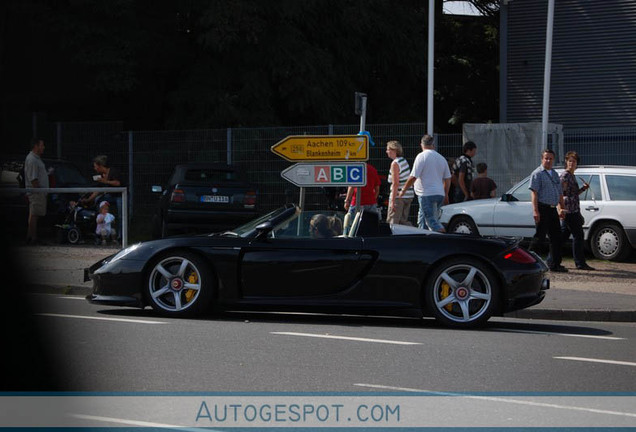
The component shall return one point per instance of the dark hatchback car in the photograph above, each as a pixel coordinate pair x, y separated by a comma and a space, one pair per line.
15, 206
203, 197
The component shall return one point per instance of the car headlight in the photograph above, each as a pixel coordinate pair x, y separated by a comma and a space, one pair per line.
122, 253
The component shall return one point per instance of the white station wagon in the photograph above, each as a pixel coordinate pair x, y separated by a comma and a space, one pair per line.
608, 207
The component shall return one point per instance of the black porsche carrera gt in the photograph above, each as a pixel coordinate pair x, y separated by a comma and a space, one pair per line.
366, 267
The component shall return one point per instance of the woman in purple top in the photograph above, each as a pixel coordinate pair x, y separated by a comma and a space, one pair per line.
573, 222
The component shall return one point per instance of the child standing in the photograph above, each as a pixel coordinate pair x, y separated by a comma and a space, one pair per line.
104, 221
483, 186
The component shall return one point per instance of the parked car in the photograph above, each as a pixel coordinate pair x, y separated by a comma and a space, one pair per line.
203, 196
608, 207
15, 205
273, 263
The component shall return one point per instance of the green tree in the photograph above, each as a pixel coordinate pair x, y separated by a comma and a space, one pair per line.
218, 63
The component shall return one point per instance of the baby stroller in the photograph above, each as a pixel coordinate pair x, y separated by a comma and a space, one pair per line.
79, 222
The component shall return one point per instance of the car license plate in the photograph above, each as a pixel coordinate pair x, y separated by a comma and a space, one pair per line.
215, 199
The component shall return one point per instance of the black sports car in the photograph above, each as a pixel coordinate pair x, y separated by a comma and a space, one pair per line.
282, 261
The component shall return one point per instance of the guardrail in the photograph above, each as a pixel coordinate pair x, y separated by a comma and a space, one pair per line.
122, 190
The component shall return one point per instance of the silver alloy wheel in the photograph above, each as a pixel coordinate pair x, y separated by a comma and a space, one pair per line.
462, 228
607, 242
175, 284
463, 225
462, 293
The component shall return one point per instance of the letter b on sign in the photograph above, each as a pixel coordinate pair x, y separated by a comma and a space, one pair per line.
338, 174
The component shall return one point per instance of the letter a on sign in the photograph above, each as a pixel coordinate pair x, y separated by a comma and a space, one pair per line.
322, 174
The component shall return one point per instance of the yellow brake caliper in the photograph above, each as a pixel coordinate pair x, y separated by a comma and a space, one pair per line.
446, 289
189, 294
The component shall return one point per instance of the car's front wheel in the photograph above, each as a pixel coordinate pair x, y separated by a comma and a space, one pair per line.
462, 292
463, 225
609, 242
73, 235
180, 284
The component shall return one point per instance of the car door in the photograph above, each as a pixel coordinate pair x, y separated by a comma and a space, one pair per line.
592, 203
513, 217
301, 267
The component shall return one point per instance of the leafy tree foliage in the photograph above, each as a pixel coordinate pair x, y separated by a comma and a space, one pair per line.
217, 63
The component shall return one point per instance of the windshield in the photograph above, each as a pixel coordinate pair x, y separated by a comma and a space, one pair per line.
249, 228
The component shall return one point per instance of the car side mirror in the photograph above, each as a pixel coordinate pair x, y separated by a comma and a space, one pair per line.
157, 189
508, 197
263, 229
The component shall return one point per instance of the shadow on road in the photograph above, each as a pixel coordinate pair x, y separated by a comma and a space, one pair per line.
522, 326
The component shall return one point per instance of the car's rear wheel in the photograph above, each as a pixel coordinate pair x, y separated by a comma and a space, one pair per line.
462, 292
463, 225
180, 284
609, 242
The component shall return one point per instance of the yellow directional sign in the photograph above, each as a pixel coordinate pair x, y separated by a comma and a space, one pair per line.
323, 148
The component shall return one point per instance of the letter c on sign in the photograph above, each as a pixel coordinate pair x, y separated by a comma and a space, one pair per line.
355, 174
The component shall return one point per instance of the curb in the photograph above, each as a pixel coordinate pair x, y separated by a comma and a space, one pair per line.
544, 314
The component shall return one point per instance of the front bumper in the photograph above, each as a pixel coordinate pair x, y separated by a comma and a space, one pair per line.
116, 283
115, 300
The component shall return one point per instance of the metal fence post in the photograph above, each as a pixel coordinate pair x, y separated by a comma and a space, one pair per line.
58, 139
130, 175
229, 146
125, 217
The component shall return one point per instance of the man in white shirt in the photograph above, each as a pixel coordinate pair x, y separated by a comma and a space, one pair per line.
35, 176
431, 176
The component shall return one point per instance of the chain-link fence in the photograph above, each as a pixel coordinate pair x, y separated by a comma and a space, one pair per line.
147, 158
609, 146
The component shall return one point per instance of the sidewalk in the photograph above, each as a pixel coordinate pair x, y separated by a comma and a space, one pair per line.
607, 294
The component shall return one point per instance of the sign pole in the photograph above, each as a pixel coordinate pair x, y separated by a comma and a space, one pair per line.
363, 125
301, 205
431, 65
301, 199
546, 77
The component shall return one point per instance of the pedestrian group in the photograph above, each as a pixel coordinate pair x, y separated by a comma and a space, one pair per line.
433, 179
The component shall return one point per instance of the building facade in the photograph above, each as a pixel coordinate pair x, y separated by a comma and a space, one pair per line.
593, 73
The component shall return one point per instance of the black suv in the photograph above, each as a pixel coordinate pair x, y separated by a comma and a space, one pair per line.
203, 197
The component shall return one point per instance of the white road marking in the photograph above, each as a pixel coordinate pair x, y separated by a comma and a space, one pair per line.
102, 318
500, 399
137, 423
71, 297
560, 334
357, 339
591, 360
